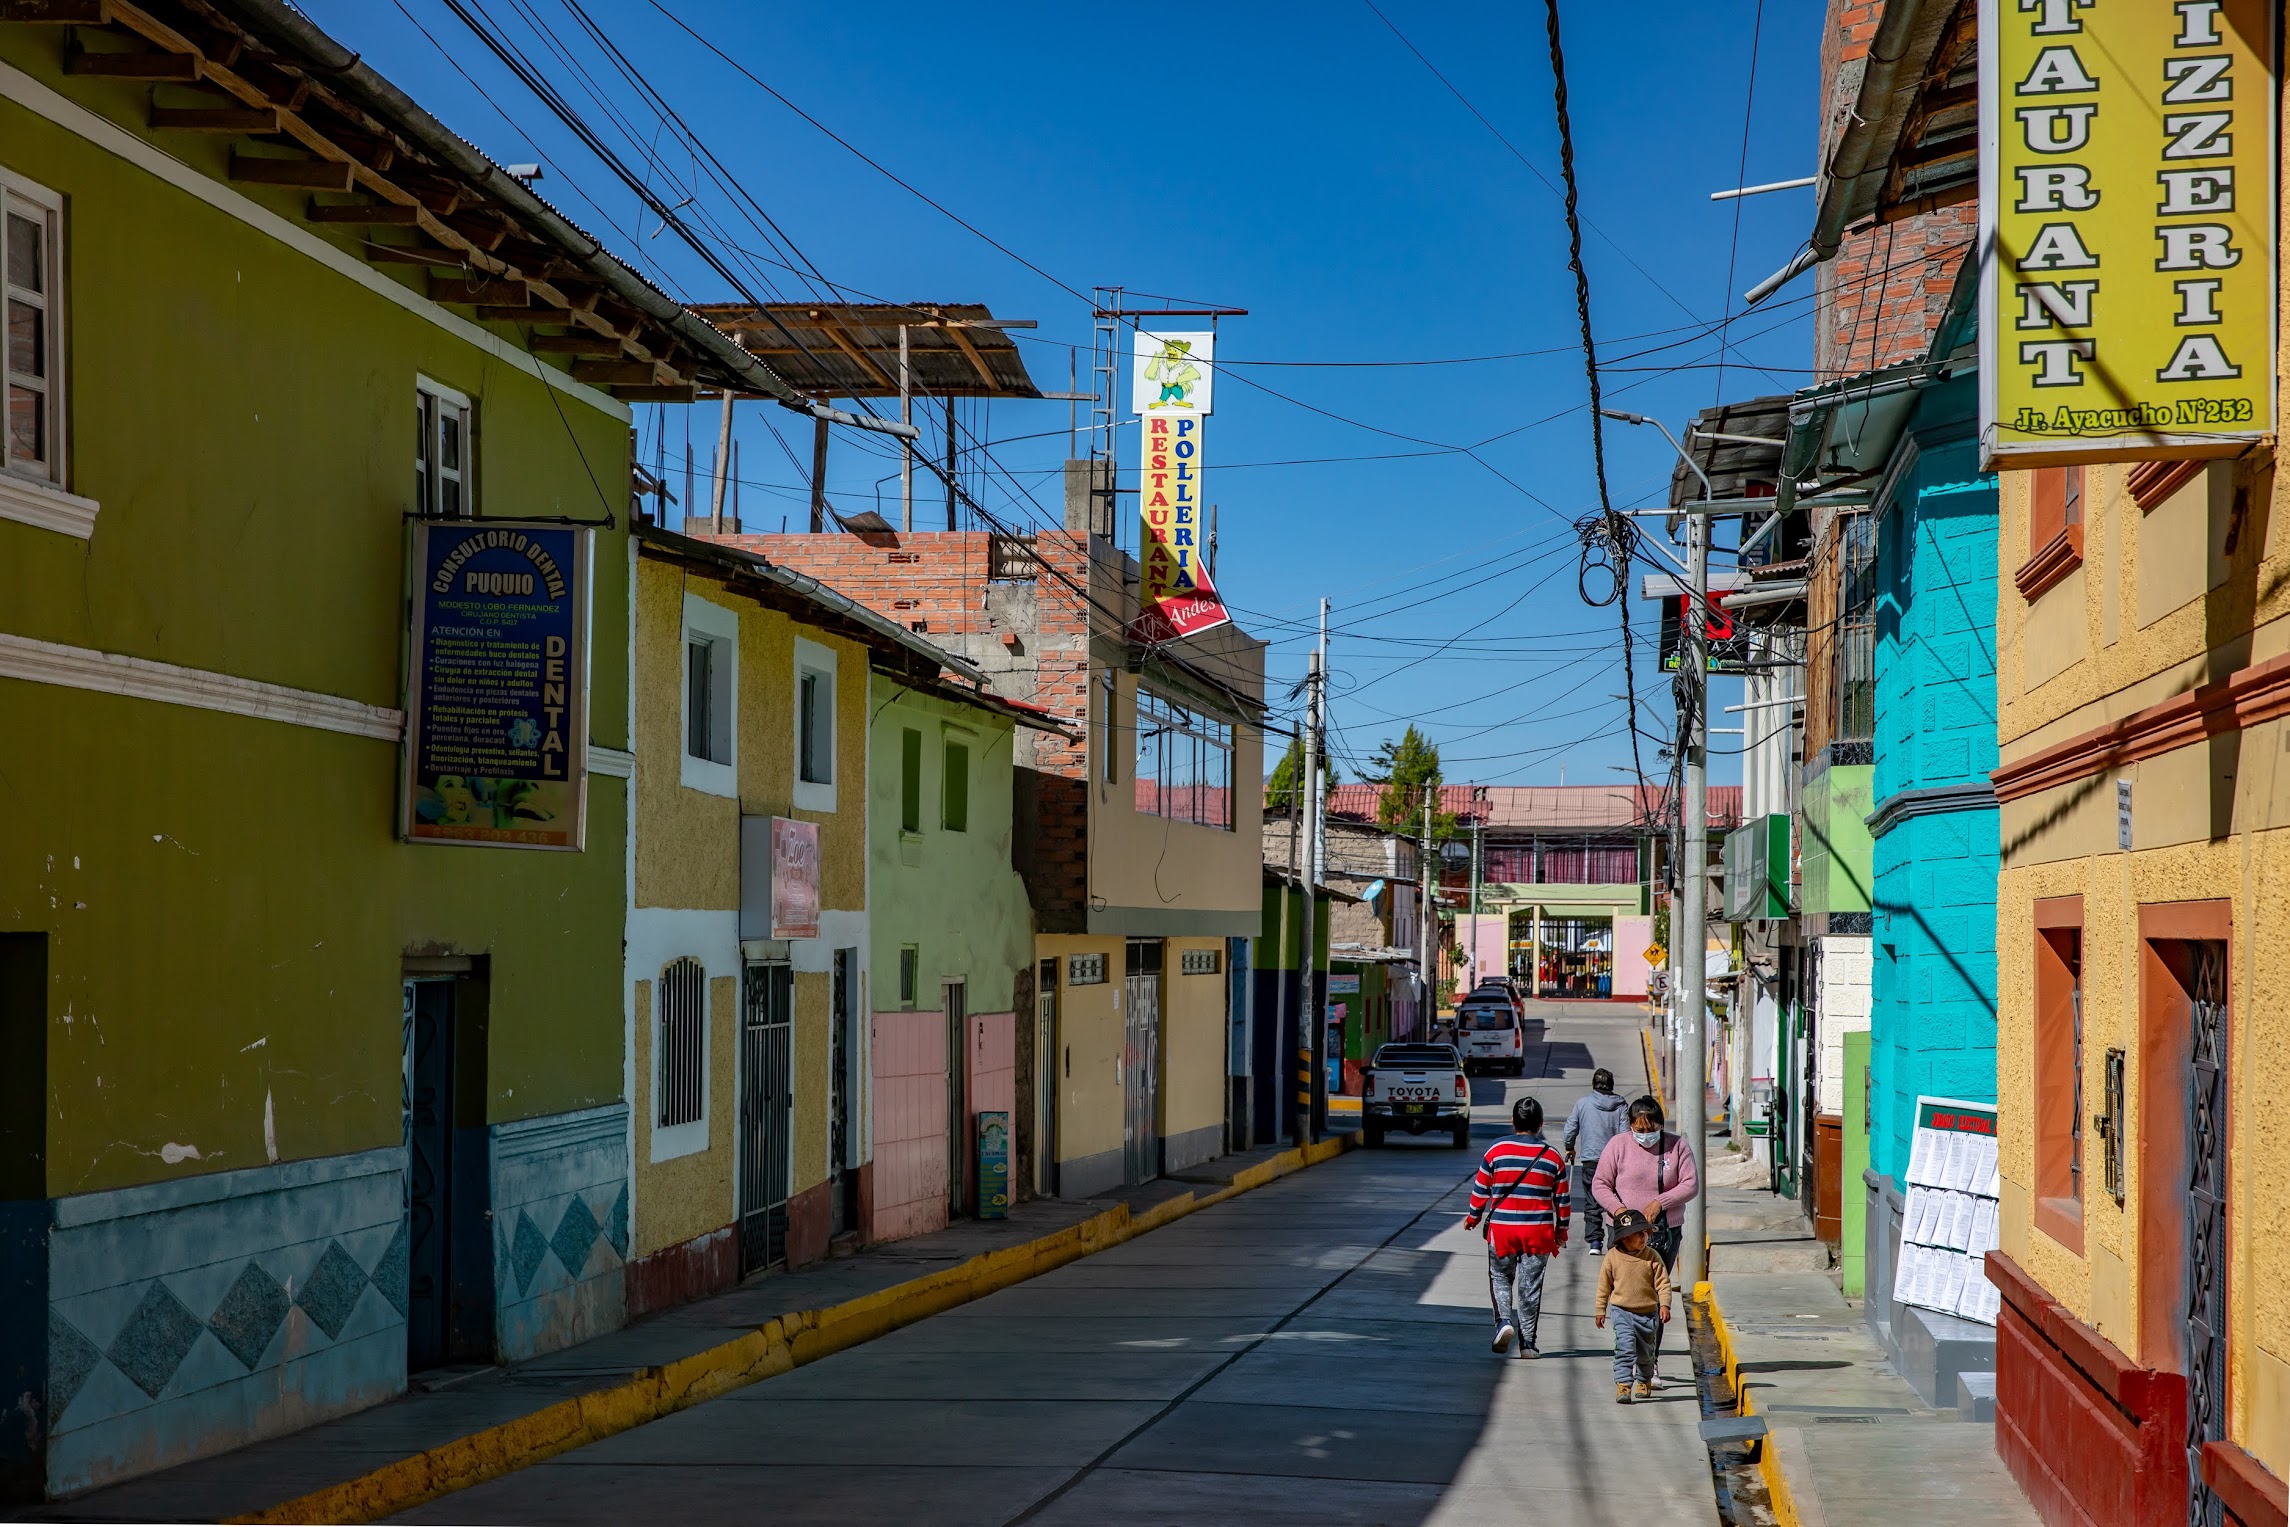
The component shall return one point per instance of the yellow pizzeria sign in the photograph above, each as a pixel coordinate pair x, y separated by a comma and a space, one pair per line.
2127, 222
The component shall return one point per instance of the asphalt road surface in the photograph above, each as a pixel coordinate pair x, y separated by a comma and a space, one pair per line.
1313, 1352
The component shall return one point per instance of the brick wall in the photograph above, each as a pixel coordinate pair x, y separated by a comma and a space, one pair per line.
1882, 295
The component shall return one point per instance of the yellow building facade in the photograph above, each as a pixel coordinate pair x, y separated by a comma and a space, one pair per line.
2143, 687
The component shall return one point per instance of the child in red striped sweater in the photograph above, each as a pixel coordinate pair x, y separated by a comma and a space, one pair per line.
1521, 1196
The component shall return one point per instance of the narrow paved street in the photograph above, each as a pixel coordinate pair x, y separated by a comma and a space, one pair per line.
1312, 1352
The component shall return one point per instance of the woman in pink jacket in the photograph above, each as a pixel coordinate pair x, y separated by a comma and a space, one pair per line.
1650, 1170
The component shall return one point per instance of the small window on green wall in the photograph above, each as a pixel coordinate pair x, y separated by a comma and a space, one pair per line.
910, 780
954, 789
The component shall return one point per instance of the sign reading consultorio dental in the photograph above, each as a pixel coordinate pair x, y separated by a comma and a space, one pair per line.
2127, 214
496, 734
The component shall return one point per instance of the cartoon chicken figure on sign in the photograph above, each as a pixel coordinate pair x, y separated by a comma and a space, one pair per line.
1174, 373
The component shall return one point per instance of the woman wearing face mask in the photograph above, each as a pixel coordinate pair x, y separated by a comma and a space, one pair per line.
1649, 1170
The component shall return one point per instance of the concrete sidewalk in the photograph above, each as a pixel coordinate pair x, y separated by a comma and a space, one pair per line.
1850, 1440
456, 1427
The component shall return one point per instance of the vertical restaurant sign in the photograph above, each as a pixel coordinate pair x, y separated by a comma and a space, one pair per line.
497, 725
2127, 228
1175, 597
794, 878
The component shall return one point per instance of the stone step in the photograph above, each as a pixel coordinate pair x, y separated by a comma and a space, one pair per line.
1975, 1397
1769, 1256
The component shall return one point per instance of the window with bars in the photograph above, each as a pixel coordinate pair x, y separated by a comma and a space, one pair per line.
910, 780
1856, 686
1184, 763
681, 1087
31, 222
442, 487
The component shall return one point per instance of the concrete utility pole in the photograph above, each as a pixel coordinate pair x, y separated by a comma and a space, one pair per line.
1429, 932
1689, 943
906, 442
1280, 1017
1476, 829
1312, 1026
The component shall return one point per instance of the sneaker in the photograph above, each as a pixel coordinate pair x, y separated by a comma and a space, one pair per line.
1504, 1336
1622, 1394
1645, 1390
1530, 1352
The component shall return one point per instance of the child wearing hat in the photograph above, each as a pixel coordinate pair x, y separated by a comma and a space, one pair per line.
1634, 1287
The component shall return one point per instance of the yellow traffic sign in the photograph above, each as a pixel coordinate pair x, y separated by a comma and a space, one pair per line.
1657, 955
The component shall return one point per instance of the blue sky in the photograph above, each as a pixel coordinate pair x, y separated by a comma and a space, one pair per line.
1297, 161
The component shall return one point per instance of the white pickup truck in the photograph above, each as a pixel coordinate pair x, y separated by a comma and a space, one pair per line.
1418, 1088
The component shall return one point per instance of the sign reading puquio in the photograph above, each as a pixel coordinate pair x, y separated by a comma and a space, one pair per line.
1170, 386
2127, 228
497, 727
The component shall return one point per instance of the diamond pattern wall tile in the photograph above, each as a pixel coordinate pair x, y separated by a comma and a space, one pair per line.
616, 1228
332, 1290
526, 1248
576, 1235
390, 1271
71, 1358
249, 1314
153, 1343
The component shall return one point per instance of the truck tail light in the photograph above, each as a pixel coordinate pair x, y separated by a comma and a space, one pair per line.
1367, 1084
1462, 1087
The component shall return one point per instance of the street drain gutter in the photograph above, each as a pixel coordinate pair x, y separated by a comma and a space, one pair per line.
778, 1346
1750, 1491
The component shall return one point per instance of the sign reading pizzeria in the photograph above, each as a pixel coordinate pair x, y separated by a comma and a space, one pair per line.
2128, 229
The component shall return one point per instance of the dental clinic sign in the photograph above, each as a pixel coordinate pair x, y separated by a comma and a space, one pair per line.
2127, 228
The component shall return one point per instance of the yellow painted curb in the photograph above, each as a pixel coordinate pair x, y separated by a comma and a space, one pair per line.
778, 1346
1653, 1071
1769, 1468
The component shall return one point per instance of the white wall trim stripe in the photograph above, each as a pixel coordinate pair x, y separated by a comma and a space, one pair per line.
112, 673
46, 507
35, 97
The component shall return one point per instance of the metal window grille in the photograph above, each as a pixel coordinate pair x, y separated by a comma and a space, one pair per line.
2207, 1260
1010, 559
683, 1042
910, 973
767, 1109
1856, 689
2109, 1124
2074, 957
28, 248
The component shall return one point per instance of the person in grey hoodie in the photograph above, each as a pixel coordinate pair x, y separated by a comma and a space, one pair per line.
1597, 1118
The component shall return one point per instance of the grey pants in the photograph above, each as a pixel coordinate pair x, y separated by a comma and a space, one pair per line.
1587, 1207
1636, 1339
1517, 1285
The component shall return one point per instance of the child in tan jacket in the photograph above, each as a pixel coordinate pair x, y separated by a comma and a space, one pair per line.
1635, 1286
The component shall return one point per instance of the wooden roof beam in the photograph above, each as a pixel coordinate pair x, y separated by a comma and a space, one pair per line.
845, 343
370, 214
239, 121
317, 174
977, 361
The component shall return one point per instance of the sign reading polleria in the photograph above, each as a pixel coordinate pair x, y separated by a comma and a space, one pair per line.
1170, 387
2127, 228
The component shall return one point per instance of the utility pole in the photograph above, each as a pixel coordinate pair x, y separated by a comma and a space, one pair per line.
818, 476
950, 478
1689, 943
1280, 1018
723, 466
1429, 932
906, 442
1312, 1026
1318, 776
1477, 828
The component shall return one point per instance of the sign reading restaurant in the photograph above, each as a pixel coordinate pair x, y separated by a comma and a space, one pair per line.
2127, 228
497, 717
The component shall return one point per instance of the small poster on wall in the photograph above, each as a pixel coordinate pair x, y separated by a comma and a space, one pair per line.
794, 878
1948, 1225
